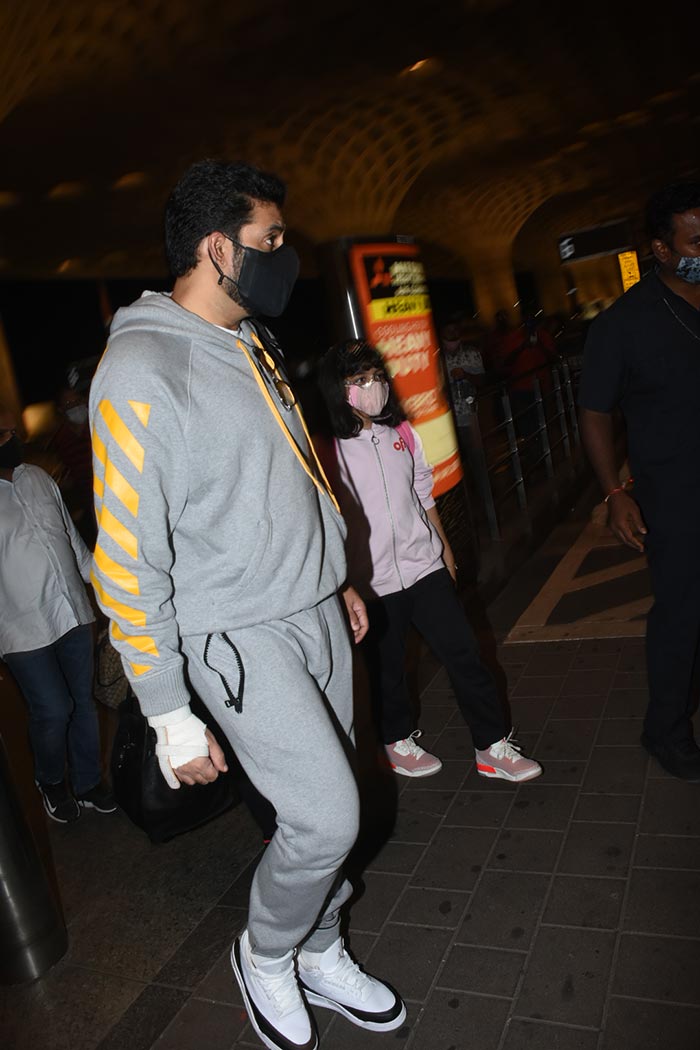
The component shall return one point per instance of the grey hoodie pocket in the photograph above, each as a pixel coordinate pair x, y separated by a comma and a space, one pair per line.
222, 657
249, 561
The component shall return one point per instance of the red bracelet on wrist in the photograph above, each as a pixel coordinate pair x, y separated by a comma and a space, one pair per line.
620, 488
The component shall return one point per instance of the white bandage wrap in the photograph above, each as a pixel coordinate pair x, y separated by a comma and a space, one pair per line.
180, 737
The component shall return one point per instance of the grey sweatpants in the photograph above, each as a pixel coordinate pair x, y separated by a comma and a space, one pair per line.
293, 738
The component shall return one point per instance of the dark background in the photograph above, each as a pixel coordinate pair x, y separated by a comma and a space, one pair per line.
52, 324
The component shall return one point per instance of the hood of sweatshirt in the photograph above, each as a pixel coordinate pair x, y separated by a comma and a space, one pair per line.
157, 312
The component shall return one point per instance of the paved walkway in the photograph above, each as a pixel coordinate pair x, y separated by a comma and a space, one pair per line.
560, 915
599, 589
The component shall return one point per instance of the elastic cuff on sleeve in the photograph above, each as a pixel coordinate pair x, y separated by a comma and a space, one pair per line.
161, 693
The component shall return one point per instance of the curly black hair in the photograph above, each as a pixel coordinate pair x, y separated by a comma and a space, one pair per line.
341, 362
213, 195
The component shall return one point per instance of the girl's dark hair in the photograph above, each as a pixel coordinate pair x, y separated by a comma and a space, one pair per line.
341, 362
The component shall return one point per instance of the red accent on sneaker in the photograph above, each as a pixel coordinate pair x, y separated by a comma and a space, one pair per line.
506, 762
408, 759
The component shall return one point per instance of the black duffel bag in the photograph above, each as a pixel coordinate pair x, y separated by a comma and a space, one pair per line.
141, 790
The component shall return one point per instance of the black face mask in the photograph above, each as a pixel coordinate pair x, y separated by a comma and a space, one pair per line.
266, 279
11, 453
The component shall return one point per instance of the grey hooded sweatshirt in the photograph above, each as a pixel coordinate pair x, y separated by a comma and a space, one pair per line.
208, 521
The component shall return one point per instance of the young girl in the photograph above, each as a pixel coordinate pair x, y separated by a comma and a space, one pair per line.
402, 565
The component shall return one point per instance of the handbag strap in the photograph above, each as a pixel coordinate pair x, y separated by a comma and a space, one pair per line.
406, 431
321, 484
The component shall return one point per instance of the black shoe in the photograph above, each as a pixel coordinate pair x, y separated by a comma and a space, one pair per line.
681, 760
59, 803
98, 798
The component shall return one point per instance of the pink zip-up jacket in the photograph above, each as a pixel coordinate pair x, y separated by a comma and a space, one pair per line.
384, 492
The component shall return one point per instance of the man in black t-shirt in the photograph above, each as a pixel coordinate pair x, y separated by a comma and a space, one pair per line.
643, 356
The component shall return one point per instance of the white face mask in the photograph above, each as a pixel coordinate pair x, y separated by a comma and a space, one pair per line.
78, 414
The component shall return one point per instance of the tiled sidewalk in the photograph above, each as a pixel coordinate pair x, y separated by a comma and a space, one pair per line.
560, 915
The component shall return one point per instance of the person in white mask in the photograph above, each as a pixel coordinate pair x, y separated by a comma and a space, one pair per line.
401, 563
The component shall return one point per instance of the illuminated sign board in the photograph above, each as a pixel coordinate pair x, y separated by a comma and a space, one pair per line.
608, 239
629, 269
391, 287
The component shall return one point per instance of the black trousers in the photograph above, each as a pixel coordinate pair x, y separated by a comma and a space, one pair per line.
673, 631
432, 606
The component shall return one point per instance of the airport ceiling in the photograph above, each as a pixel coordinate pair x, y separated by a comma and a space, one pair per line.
475, 125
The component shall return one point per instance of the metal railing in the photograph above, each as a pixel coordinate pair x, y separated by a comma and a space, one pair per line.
522, 433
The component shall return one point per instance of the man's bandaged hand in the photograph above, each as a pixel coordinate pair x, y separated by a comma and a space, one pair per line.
180, 737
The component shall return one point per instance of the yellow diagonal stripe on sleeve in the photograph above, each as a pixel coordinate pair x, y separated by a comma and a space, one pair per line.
126, 441
118, 532
98, 487
143, 642
139, 668
121, 488
98, 447
141, 410
131, 615
115, 572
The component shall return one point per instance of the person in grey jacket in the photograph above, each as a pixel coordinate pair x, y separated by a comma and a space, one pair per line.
219, 558
46, 636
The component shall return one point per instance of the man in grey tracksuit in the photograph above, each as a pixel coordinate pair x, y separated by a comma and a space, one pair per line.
219, 557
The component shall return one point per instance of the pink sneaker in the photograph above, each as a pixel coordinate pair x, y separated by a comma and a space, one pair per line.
409, 759
503, 760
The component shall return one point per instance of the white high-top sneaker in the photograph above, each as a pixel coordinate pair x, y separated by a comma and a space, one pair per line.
334, 980
272, 998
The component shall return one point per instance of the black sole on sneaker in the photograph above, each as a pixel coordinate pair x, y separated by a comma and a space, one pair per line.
384, 1022
272, 1039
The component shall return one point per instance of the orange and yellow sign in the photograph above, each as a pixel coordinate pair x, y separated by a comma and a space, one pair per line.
629, 269
390, 283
